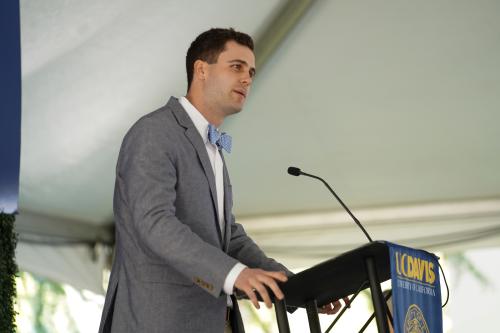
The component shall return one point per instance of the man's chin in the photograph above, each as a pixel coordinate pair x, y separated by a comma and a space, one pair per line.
233, 110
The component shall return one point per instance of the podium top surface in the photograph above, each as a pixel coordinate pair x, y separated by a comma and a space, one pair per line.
337, 277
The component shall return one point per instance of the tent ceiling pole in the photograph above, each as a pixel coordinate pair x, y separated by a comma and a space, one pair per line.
280, 25
34, 227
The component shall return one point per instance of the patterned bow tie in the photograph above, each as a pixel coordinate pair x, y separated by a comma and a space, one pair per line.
221, 140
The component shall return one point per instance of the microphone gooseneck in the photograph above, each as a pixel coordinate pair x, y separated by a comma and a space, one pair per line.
294, 171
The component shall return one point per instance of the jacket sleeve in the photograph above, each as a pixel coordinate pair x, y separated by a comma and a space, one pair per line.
243, 248
246, 251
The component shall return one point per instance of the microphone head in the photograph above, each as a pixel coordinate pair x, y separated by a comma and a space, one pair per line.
294, 171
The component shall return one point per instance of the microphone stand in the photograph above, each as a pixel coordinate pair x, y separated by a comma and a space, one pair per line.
297, 172
378, 300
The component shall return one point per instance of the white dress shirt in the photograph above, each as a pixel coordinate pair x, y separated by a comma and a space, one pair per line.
201, 125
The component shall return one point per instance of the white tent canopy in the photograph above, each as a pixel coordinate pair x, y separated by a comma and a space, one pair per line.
395, 103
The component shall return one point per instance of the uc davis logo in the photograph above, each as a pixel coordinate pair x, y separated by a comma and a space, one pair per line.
415, 321
415, 268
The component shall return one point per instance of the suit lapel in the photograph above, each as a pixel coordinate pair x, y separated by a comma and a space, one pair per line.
228, 203
194, 137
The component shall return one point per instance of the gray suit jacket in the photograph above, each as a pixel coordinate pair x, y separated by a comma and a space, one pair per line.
170, 259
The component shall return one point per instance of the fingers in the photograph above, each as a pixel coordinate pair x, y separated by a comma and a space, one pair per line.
331, 308
325, 309
251, 281
271, 283
260, 282
261, 289
334, 307
347, 301
280, 276
253, 298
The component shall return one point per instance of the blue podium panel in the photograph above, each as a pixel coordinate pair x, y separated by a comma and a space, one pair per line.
416, 292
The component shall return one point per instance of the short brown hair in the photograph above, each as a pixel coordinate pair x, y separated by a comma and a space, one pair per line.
209, 44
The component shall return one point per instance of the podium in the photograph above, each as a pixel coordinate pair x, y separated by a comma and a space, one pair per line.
346, 274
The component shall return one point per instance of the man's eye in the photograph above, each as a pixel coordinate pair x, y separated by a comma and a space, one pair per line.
236, 66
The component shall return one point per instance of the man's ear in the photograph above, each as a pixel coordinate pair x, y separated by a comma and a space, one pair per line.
200, 70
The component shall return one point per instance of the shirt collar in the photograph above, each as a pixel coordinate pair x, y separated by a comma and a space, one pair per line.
197, 118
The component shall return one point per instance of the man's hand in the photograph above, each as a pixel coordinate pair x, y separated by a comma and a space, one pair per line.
334, 307
253, 280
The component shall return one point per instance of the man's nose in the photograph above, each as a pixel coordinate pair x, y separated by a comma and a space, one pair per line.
246, 79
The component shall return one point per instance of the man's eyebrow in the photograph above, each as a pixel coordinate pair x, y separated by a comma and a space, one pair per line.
243, 62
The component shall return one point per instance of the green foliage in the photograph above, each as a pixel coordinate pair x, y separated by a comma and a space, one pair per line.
254, 317
463, 264
8, 270
47, 300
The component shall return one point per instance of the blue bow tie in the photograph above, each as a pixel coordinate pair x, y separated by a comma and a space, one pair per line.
221, 140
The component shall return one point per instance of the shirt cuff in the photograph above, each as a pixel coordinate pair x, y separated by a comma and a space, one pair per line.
231, 278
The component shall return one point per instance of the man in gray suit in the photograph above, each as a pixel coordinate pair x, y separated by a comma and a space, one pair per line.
179, 252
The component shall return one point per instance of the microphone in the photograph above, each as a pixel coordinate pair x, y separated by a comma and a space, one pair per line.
294, 171
297, 172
